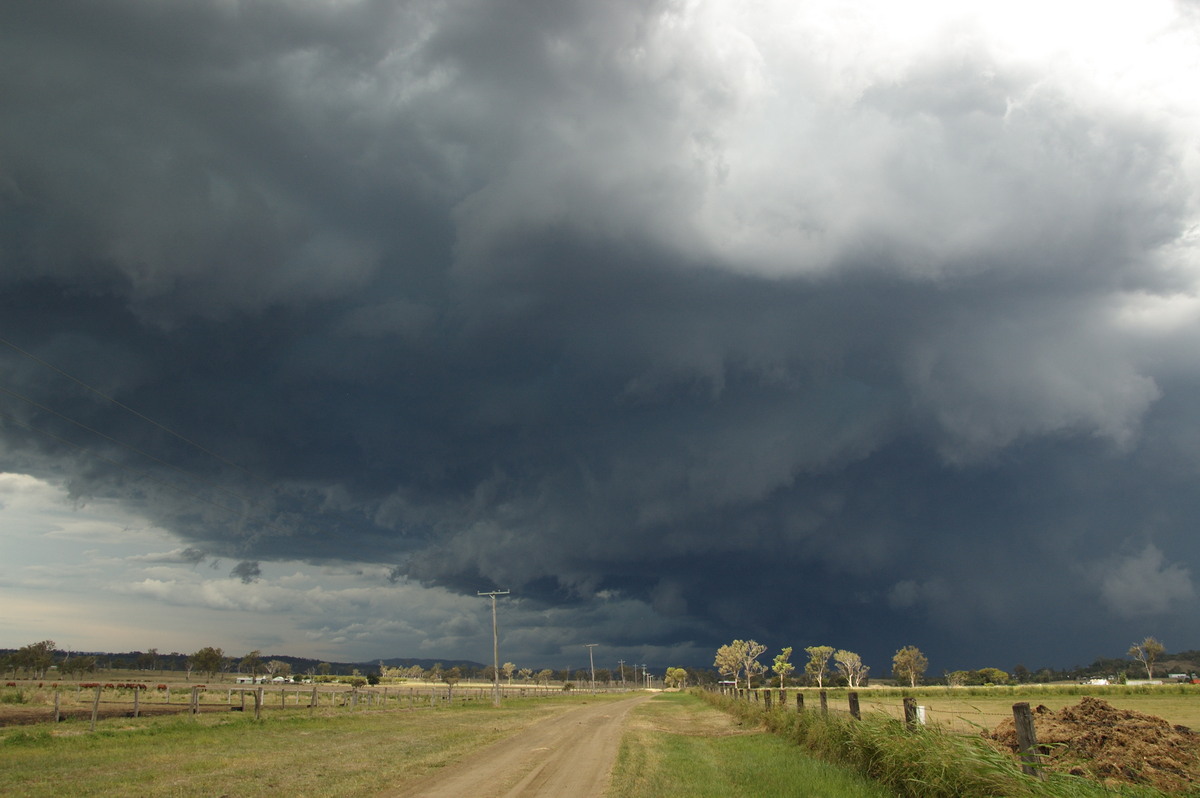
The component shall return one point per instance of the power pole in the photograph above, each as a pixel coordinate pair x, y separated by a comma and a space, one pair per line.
495, 647
592, 663
621, 665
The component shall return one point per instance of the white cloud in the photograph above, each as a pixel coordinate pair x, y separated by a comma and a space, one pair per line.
1145, 584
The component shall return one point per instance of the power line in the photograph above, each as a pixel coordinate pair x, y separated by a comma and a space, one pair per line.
125, 407
191, 494
122, 444
118, 464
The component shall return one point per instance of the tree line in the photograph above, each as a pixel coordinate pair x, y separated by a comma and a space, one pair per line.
740, 659
825, 664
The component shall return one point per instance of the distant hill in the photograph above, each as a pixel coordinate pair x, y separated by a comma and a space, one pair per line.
176, 661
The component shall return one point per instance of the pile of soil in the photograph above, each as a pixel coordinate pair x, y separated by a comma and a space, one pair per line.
1110, 745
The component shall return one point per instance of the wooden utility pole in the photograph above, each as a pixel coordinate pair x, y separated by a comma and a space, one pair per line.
495, 647
592, 663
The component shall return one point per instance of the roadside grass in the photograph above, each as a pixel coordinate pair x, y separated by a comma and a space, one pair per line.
926, 763
676, 746
966, 709
329, 754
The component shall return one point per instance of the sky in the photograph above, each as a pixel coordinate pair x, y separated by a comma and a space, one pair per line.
863, 324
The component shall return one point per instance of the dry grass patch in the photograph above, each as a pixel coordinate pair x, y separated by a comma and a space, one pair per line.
333, 754
692, 718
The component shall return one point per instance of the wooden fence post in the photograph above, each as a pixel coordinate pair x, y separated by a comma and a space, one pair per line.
195, 705
1027, 740
824, 703
57, 714
854, 710
312, 704
95, 707
767, 698
799, 702
137, 691
258, 702
910, 712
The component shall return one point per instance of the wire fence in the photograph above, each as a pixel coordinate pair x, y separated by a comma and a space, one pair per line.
955, 715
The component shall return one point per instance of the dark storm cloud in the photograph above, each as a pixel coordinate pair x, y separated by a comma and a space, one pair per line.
611, 306
247, 571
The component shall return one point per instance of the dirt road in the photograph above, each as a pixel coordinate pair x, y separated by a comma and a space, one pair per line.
568, 755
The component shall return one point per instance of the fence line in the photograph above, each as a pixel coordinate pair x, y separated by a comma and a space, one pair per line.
914, 717
299, 696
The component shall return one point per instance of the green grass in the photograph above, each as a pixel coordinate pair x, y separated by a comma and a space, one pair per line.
12, 695
332, 754
678, 747
927, 763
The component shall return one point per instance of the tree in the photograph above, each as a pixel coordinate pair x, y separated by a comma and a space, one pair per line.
750, 664
958, 678
207, 660
36, 658
851, 666
324, 668
544, 676
729, 661
738, 657
1146, 652
451, 677
252, 663
992, 676
676, 677
278, 668
818, 662
508, 669
148, 660
909, 665
782, 667
77, 665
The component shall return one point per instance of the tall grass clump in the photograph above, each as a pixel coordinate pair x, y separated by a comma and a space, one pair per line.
13, 695
921, 763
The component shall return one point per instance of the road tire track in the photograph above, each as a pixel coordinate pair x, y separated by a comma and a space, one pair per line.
568, 755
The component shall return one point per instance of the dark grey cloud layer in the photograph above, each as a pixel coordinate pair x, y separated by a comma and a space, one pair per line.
609, 302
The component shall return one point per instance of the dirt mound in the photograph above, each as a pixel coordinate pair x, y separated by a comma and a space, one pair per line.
1099, 741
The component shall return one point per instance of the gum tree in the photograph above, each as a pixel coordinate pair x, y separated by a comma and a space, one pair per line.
740, 656
208, 660
818, 662
782, 667
909, 665
1146, 652
851, 666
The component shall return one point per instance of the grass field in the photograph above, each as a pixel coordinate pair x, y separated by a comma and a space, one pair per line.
677, 746
330, 754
